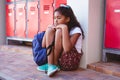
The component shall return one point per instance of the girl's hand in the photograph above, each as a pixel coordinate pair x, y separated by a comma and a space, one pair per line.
52, 26
61, 26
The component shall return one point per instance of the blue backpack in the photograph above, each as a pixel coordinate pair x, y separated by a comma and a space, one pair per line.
39, 53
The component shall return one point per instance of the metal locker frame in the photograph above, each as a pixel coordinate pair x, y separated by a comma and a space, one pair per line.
107, 50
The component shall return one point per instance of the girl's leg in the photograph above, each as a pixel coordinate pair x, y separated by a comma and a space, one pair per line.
58, 45
49, 38
44, 41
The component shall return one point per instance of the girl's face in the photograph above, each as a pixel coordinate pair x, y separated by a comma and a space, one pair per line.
60, 19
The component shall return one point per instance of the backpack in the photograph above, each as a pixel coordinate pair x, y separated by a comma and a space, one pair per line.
39, 53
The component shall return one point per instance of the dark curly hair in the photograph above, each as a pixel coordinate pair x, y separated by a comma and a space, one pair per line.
67, 11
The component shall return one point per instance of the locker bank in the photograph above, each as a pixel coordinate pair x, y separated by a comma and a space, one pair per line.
25, 18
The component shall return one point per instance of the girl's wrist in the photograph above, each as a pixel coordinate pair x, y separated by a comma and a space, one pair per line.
65, 27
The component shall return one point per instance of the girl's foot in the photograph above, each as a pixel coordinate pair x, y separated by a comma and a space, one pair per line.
52, 69
43, 67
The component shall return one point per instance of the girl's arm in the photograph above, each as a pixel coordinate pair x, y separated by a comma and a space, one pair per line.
68, 41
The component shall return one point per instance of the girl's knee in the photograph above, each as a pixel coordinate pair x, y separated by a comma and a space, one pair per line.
58, 32
58, 38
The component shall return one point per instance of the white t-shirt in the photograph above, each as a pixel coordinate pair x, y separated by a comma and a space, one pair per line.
78, 44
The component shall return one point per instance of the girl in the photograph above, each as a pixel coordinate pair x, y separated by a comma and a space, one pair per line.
67, 33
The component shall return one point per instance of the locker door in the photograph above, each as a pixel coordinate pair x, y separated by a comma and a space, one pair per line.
112, 34
10, 20
46, 14
20, 20
32, 19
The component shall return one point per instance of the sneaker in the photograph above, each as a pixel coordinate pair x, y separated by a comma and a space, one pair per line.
52, 69
43, 67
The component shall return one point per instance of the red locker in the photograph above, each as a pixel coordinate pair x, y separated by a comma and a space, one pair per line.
10, 20
46, 14
20, 20
58, 2
32, 19
112, 32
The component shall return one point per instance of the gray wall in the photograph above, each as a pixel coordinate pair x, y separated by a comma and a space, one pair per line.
2, 22
90, 14
95, 30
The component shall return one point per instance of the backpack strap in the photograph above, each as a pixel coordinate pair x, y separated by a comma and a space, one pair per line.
50, 47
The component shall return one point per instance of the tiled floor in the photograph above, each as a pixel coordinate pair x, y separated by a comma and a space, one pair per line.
16, 63
111, 68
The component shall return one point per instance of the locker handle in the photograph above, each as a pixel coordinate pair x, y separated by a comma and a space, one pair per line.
16, 20
25, 8
27, 20
38, 6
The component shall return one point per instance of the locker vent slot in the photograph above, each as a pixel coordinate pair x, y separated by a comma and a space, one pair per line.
9, 10
46, 7
32, 8
20, 9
